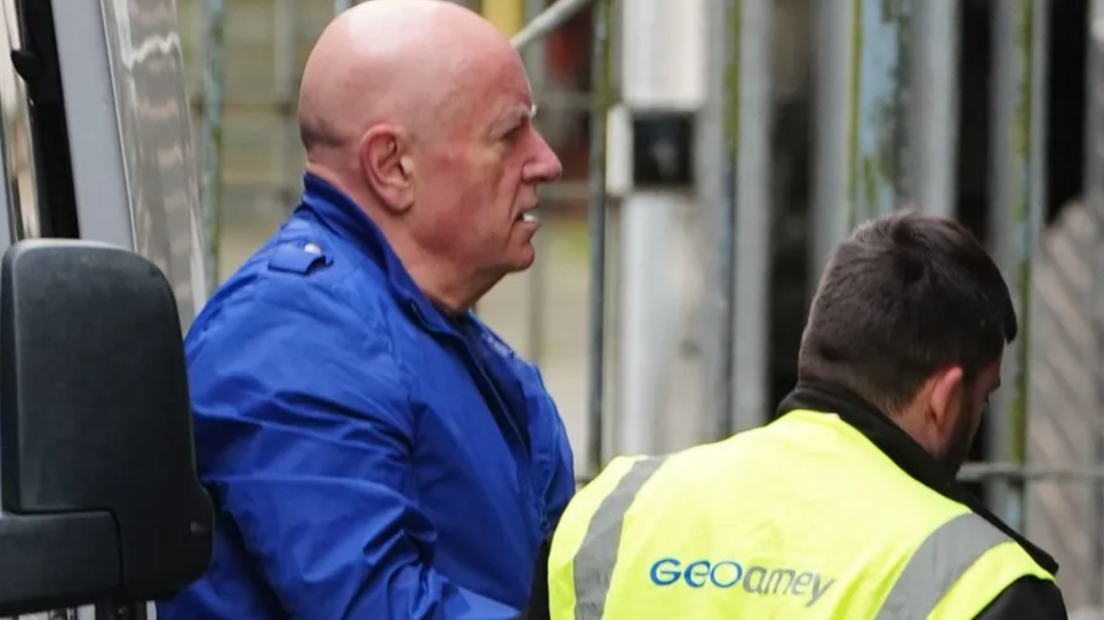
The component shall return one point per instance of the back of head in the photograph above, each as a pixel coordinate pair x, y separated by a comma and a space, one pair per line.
904, 297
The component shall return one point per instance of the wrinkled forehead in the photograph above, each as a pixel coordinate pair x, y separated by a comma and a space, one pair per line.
491, 91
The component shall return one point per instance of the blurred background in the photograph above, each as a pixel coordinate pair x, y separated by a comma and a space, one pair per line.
714, 151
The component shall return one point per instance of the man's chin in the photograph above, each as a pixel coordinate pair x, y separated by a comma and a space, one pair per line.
523, 260
520, 252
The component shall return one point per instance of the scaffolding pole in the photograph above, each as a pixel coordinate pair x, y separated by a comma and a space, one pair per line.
717, 152
862, 92
662, 95
934, 104
601, 87
834, 28
1017, 194
548, 20
213, 82
981, 472
284, 91
735, 193
879, 175
751, 259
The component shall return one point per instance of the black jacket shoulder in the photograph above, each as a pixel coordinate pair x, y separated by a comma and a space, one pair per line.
1028, 598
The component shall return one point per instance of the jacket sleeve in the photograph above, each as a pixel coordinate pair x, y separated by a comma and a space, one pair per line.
304, 435
1027, 599
562, 486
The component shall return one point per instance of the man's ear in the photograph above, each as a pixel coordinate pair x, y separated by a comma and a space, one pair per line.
387, 166
945, 394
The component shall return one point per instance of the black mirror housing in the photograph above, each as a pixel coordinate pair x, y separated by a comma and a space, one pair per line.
99, 498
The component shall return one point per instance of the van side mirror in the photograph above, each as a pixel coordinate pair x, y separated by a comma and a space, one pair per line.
99, 498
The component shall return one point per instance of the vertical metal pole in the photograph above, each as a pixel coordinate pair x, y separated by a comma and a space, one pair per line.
645, 317
535, 66
717, 160
934, 103
751, 261
879, 174
835, 74
1094, 190
663, 63
1019, 54
602, 96
863, 87
284, 91
213, 74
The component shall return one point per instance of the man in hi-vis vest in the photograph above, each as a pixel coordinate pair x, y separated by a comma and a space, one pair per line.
846, 505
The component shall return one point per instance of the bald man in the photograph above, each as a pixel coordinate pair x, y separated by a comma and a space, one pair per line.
374, 450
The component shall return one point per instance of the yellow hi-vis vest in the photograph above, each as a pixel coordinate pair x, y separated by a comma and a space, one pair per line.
803, 518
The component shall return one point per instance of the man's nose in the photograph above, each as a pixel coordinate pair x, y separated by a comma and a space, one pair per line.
545, 166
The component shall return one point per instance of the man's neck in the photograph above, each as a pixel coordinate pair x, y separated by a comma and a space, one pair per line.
452, 289
912, 422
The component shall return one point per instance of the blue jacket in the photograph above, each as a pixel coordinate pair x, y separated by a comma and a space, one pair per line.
369, 457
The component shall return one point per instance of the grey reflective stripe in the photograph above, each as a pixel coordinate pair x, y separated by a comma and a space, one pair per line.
593, 565
937, 564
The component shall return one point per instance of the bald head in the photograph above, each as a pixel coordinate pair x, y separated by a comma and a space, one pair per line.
420, 112
404, 62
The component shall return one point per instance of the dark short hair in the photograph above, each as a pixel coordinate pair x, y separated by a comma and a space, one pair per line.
903, 297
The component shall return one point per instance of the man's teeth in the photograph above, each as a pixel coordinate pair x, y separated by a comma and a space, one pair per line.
529, 216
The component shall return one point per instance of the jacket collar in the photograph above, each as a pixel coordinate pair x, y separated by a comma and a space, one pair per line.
895, 443
348, 220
